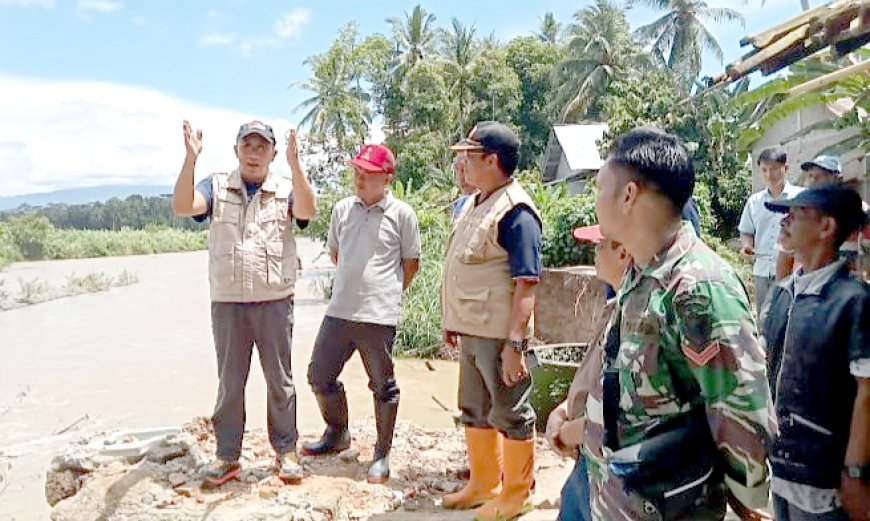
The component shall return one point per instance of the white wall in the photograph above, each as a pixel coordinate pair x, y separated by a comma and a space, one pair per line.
807, 147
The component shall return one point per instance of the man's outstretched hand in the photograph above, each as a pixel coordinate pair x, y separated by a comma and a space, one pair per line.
192, 140
292, 148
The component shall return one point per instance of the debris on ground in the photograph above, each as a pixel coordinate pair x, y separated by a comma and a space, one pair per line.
163, 484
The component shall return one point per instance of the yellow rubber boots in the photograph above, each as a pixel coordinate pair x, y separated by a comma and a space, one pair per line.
519, 476
485, 462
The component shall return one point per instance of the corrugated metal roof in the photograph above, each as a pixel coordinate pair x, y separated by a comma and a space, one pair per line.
580, 145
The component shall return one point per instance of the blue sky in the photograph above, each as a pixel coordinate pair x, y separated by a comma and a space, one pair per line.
95, 90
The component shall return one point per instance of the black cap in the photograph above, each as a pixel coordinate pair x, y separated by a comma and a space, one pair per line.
493, 137
840, 202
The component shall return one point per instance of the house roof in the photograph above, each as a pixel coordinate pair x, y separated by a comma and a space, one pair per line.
844, 25
579, 144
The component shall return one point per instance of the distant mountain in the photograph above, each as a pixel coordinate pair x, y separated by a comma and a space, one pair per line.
83, 195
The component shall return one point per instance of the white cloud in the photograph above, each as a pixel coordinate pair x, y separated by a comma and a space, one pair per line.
56, 135
143, 22
47, 4
99, 6
291, 23
216, 39
288, 26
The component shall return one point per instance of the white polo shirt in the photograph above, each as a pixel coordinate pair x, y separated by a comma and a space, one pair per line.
764, 224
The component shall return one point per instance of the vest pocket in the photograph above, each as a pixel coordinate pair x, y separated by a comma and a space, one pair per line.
475, 249
274, 263
223, 262
473, 304
228, 209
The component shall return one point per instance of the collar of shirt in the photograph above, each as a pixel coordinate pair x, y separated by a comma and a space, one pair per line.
382, 204
235, 182
662, 264
814, 282
788, 191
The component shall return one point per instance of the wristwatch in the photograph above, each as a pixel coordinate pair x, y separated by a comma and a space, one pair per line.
857, 471
520, 346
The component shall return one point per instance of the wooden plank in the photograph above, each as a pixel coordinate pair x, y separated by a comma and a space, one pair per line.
767, 38
748, 64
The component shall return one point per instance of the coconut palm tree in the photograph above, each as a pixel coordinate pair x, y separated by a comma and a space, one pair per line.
459, 49
549, 29
339, 108
415, 36
599, 49
679, 38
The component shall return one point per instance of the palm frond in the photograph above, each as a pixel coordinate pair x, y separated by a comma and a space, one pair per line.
721, 15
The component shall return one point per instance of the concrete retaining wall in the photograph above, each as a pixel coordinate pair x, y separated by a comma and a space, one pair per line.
568, 305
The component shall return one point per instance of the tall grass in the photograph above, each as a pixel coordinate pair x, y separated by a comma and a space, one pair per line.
33, 237
419, 332
74, 244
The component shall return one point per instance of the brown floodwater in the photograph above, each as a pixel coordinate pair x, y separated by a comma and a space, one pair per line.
142, 356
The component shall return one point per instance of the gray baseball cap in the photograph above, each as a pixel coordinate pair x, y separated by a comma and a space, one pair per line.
829, 163
259, 128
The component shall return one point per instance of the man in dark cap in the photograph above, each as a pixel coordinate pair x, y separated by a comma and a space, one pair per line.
491, 270
816, 324
252, 277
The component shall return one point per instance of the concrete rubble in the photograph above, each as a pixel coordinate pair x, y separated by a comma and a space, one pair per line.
163, 484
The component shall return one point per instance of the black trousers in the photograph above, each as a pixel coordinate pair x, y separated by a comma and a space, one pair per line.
335, 344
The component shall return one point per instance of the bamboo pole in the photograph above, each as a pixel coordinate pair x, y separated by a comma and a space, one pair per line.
827, 79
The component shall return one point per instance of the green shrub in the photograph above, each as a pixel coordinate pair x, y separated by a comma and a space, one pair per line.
559, 248
743, 268
30, 234
318, 228
419, 332
562, 213
8, 249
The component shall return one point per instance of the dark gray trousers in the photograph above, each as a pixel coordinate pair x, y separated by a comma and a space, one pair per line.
237, 327
785, 511
762, 290
484, 399
335, 344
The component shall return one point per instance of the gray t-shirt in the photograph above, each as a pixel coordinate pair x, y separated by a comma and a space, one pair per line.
371, 242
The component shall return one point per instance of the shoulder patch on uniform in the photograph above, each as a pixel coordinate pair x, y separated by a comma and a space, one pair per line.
702, 358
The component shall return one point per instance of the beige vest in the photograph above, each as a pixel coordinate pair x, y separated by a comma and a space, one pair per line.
477, 291
251, 247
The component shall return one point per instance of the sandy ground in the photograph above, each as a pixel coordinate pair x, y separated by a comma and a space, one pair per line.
142, 356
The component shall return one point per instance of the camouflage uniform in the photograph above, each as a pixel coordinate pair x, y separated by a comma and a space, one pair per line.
686, 315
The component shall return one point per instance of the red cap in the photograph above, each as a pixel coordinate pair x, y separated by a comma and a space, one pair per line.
375, 159
589, 234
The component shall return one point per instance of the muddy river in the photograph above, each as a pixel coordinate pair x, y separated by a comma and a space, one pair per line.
142, 356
